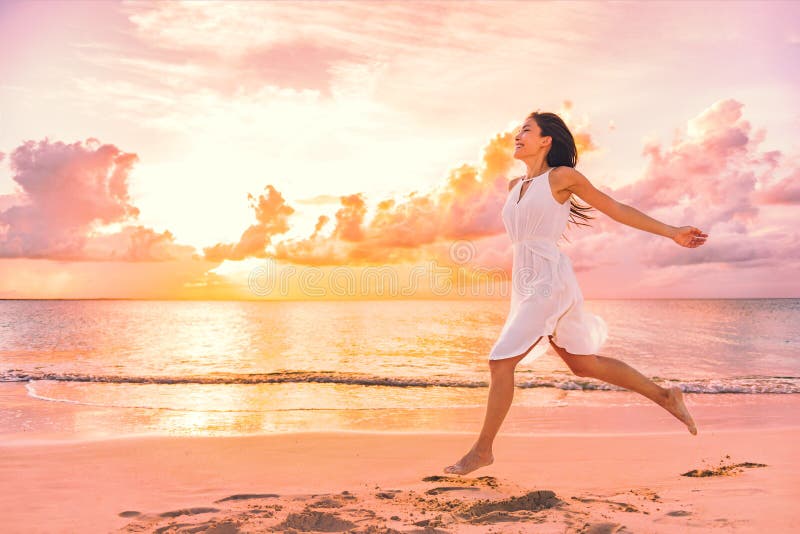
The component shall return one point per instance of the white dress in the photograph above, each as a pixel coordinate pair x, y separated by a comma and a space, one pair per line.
545, 296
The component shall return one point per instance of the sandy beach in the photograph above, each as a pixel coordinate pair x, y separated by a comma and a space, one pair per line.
393, 482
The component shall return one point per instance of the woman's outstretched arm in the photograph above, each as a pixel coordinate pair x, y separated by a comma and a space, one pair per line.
572, 180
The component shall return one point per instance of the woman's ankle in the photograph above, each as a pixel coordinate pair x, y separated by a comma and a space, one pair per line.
483, 450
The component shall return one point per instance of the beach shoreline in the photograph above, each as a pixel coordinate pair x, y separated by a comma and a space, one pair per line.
26, 419
357, 481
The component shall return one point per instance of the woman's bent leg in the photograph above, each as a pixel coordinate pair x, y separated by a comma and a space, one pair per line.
621, 374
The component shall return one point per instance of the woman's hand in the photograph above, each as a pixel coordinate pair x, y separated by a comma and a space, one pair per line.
689, 236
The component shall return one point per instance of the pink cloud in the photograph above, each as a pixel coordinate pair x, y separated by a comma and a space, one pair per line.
66, 193
782, 191
138, 243
707, 179
715, 168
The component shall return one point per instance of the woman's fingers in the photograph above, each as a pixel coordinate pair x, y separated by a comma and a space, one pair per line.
697, 237
691, 237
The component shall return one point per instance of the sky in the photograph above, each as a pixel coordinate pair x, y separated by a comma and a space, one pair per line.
291, 150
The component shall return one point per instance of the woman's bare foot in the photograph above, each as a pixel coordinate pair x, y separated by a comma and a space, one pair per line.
674, 404
469, 462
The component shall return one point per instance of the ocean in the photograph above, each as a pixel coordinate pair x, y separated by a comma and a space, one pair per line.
123, 367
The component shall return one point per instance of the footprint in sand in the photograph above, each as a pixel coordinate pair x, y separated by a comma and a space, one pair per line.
315, 520
532, 501
602, 528
722, 470
437, 491
129, 513
189, 511
483, 480
244, 496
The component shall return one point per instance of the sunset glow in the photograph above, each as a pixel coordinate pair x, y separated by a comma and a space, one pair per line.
176, 150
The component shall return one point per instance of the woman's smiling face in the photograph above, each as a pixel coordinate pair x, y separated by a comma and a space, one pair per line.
528, 139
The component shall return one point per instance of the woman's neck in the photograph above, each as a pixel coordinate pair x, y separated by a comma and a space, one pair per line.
535, 175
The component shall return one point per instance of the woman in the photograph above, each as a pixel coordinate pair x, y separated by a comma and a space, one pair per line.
545, 297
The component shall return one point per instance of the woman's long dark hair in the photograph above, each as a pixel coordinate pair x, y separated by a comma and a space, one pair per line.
563, 152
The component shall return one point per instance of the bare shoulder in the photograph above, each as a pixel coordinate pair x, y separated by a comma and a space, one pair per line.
565, 177
513, 182
572, 180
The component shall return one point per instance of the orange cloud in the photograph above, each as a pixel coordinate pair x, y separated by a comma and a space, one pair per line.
272, 214
465, 207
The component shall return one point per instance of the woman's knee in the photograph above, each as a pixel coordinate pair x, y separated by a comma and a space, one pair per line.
513, 360
505, 364
580, 364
